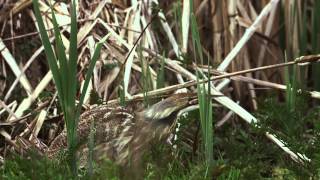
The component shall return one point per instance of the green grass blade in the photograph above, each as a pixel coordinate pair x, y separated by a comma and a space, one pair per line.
62, 59
48, 49
94, 59
201, 104
146, 77
205, 106
291, 83
143, 78
177, 14
73, 54
196, 38
209, 131
61, 83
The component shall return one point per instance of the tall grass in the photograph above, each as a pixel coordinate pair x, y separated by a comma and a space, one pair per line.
64, 72
177, 15
291, 83
160, 74
146, 78
205, 105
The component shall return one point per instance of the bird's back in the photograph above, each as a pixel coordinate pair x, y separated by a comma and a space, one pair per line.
113, 132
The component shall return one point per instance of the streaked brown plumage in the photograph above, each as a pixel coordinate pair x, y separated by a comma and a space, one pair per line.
122, 134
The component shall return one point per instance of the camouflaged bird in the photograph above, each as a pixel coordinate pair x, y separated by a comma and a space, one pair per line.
122, 134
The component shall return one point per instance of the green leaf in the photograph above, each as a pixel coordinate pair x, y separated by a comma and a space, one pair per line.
94, 59
73, 55
52, 61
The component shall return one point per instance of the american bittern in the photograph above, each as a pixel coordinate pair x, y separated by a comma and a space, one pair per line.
122, 134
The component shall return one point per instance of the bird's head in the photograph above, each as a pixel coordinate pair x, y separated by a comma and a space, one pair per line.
167, 107
162, 116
